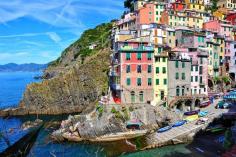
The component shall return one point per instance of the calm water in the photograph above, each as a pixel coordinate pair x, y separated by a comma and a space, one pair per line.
12, 86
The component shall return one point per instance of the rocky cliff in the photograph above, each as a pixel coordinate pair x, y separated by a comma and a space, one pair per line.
75, 81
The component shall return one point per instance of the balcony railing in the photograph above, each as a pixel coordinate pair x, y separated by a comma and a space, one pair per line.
115, 86
114, 73
140, 48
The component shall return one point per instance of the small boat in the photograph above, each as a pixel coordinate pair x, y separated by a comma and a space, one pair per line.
216, 129
191, 118
164, 129
202, 113
179, 123
205, 104
190, 113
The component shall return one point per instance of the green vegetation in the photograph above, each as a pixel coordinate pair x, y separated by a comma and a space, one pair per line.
214, 7
124, 115
100, 109
98, 36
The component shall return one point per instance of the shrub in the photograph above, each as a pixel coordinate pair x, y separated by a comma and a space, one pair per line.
113, 110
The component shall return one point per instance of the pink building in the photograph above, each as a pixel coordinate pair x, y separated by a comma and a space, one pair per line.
134, 77
223, 28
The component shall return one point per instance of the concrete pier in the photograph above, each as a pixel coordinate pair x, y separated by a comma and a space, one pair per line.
185, 132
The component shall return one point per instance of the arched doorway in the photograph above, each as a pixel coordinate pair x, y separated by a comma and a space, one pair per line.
132, 96
232, 76
197, 103
141, 96
210, 84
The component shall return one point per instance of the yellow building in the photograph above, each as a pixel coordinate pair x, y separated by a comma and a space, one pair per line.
219, 15
160, 78
196, 22
196, 6
170, 37
160, 7
213, 58
221, 42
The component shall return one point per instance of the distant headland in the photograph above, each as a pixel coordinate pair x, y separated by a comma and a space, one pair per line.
29, 67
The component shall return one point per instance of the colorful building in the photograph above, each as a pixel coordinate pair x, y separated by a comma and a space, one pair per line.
231, 18
160, 77
229, 4
179, 76
134, 76
232, 62
221, 27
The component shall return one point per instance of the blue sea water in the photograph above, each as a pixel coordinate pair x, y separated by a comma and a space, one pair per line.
12, 86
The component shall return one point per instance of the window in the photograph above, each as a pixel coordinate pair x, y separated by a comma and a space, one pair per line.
157, 59
201, 60
149, 81
192, 68
139, 81
200, 70
139, 56
149, 68
183, 65
196, 68
176, 76
132, 95
177, 91
157, 82
183, 76
163, 70
183, 91
163, 59
196, 78
128, 81
128, 56
139, 69
157, 70
127, 68
176, 64
200, 79
159, 49
191, 78
162, 95
165, 81
149, 56
141, 96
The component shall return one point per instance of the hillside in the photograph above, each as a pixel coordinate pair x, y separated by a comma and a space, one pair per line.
31, 67
75, 81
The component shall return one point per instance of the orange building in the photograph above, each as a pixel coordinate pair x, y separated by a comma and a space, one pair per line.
146, 15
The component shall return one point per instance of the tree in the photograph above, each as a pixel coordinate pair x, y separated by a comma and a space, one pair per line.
129, 4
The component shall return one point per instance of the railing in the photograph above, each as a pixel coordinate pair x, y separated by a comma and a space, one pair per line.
115, 86
140, 48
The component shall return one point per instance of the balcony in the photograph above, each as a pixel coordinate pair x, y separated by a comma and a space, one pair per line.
115, 61
115, 86
113, 73
140, 48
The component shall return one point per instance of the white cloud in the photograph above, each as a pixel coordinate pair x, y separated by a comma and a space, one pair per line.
54, 36
5, 56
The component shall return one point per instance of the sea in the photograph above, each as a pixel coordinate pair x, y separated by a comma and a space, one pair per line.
12, 86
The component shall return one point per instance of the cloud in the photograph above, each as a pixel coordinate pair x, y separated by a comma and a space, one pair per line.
66, 13
5, 56
54, 36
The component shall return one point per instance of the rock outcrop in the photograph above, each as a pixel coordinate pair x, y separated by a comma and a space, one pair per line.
74, 82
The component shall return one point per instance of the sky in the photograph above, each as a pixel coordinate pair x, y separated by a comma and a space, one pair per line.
37, 31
